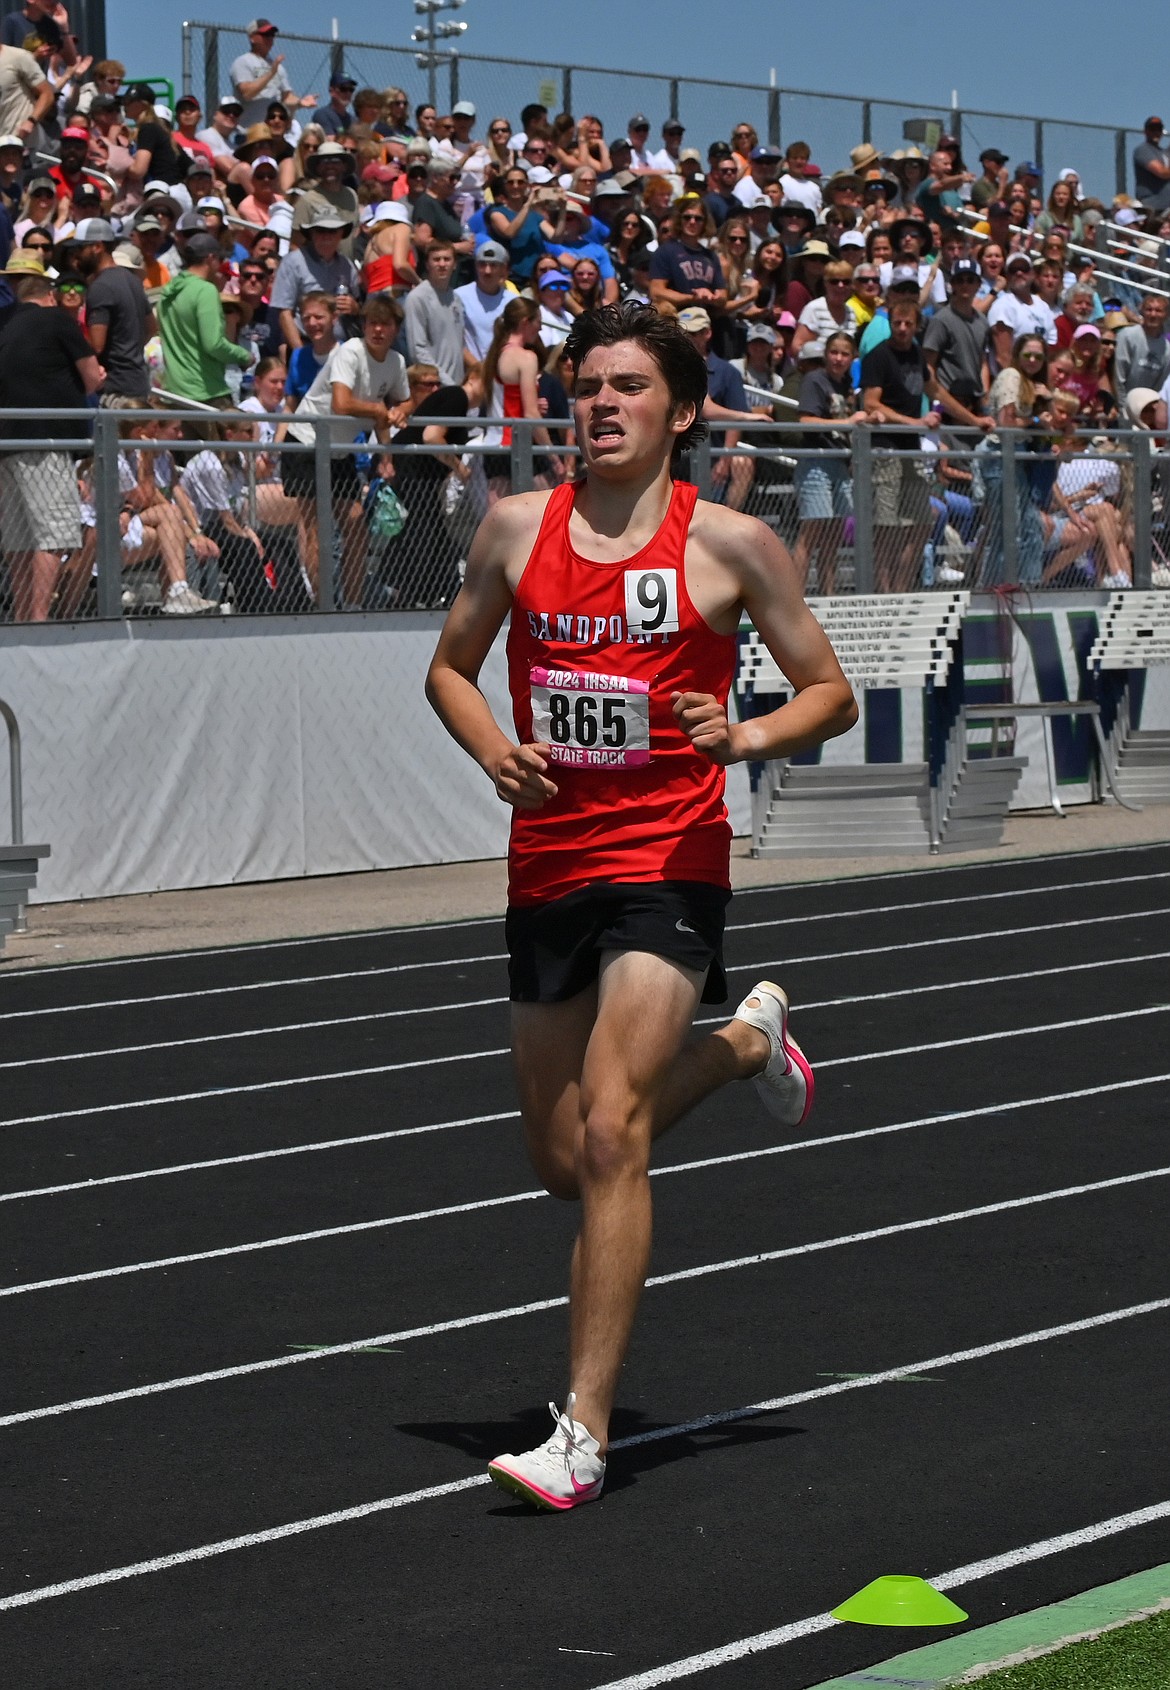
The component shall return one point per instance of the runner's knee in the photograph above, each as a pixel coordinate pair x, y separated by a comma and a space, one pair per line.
614, 1145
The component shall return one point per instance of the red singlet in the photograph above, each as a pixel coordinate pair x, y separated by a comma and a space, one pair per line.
595, 651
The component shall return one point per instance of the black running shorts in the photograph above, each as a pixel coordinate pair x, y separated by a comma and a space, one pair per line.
555, 948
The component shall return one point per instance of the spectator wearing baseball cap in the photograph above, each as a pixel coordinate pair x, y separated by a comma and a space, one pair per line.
903, 283
221, 135
992, 185
337, 116
258, 77
763, 169
257, 207
484, 298
68, 175
667, 161
637, 136
1151, 168
731, 476
118, 317
955, 345
196, 350
552, 288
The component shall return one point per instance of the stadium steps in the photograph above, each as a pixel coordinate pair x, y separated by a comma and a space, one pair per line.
1143, 767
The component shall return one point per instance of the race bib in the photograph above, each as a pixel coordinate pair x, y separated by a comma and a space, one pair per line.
591, 721
652, 601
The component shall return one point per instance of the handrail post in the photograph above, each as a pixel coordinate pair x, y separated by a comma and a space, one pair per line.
322, 467
16, 797
523, 471
862, 444
107, 498
1011, 508
1143, 492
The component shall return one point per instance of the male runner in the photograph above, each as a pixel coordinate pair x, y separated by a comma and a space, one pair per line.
624, 596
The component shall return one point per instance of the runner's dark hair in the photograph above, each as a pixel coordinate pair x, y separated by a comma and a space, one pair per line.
676, 355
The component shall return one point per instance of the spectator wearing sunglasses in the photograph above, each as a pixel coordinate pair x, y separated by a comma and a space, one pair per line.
40, 209
682, 271
638, 134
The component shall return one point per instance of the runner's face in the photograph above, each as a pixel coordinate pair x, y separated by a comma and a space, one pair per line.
622, 412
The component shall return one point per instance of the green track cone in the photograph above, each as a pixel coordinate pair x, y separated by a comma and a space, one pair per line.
899, 1599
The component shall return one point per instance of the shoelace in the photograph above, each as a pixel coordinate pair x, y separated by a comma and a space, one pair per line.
564, 1425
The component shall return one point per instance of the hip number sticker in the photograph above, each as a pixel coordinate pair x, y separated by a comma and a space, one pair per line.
652, 601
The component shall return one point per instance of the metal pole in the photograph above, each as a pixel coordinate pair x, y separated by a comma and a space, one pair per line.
210, 71
862, 445
1142, 510
521, 451
1011, 507
107, 498
326, 599
186, 58
773, 117
673, 99
866, 121
453, 81
1121, 162
957, 125
336, 60
566, 88
1039, 144
431, 81
701, 466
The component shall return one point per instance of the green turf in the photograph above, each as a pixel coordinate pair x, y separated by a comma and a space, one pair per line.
1134, 1657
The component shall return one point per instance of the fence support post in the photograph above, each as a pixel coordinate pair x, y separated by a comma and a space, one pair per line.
521, 451
773, 117
1038, 144
336, 60
211, 89
867, 120
1143, 494
1121, 161
453, 82
700, 456
186, 58
1011, 507
862, 444
107, 498
566, 87
673, 99
326, 597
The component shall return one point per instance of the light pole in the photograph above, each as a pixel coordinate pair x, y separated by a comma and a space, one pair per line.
430, 32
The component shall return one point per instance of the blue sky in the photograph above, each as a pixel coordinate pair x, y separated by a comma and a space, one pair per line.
1006, 59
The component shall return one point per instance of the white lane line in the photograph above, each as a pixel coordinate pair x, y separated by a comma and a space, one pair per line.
991, 1039
258, 1085
514, 1114
423, 928
249, 1033
953, 1580
259, 1156
470, 1056
480, 1003
519, 1196
703, 1271
948, 903
252, 986
250, 1540
956, 985
501, 956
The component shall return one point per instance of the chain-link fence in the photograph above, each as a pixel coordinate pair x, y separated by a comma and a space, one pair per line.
163, 513
830, 123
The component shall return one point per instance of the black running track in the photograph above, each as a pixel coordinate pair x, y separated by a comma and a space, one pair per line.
215, 1161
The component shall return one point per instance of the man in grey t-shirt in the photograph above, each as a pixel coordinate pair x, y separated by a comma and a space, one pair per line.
258, 78
118, 317
955, 345
317, 267
1151, 168
1142, 358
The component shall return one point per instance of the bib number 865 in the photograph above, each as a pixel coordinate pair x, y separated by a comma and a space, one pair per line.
578, 721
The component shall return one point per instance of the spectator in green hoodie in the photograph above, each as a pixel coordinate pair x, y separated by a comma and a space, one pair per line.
196, 350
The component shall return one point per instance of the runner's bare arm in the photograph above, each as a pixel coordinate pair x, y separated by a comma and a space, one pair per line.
823, 705
518, 772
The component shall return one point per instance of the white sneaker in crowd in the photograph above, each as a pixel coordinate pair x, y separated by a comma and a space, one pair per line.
562, 1473
183, 600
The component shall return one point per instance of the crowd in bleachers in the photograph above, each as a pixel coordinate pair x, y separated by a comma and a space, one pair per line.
382, 263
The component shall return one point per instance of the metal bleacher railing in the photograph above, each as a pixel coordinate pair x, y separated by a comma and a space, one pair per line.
954, 512
830, 123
